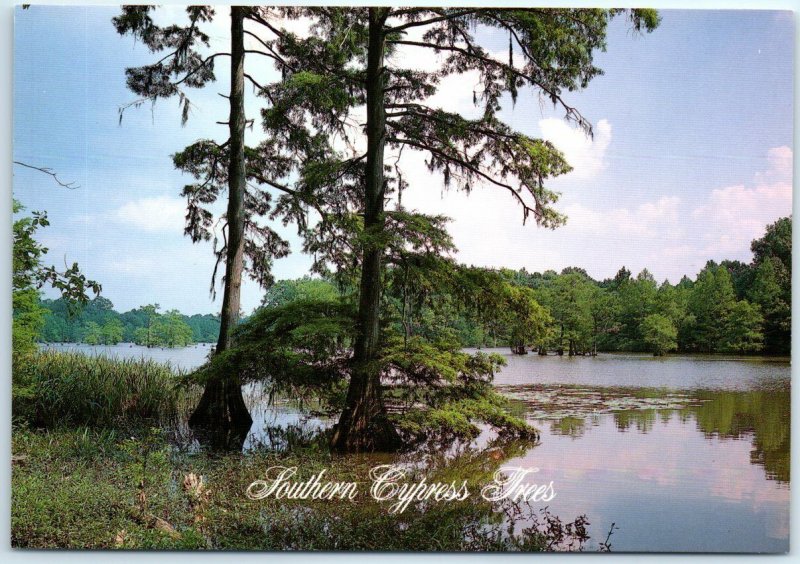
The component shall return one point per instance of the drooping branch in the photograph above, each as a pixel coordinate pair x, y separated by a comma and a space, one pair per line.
202, 65
571, 113
444, 17
462, 163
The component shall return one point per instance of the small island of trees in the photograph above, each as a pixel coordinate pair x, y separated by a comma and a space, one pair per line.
97, 323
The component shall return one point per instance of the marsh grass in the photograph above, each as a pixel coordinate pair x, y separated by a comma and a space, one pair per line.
88, 488
58, 388
100, 469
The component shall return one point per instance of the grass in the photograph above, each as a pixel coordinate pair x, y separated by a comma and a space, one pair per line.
93, 467
92, 488
58, 388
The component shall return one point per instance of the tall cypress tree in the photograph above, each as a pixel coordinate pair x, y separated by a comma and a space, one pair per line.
246, 173
348, 63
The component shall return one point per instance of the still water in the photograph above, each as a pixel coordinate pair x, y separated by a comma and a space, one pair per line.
680, 453
185, 358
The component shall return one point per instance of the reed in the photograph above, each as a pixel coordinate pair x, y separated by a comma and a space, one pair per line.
76, 389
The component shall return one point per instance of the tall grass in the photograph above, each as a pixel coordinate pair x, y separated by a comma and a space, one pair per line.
75, 389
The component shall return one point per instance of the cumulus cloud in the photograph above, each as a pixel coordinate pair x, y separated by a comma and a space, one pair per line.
679, 237
455, 94
650, 219
735, 215
669, 235
161, 214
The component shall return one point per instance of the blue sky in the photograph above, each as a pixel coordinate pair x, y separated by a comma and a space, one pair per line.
690, 160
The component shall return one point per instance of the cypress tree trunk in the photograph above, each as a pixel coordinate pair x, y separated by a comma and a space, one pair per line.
363, 425
222, 406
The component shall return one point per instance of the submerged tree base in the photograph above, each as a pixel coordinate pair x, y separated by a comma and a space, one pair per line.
376, 435
221, 416
364, 425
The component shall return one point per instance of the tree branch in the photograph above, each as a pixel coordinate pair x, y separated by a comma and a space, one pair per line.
431, 20
49, 171
571, 113
465, 165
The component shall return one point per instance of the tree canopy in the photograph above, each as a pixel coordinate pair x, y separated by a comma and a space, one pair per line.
30, 274
349, 67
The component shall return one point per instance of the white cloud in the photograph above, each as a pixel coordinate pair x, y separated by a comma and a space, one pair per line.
455, 94
781, 160
650, 219
161, 214
735, 215
668, 235
584, 153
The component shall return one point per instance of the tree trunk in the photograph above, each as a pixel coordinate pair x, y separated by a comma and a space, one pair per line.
363, 425
222, 405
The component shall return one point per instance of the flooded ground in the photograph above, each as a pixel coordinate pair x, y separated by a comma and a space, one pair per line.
683, 453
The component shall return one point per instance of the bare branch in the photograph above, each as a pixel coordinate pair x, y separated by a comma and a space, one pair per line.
49, 171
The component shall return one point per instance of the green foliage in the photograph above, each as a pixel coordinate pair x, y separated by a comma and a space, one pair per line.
97, 323
110, 333
637, 297
526, 320
730, 307
304, 350
75, 389
29, 275
569, 299
28, 320
303, 289
711, 299
771, 288
348, 63
659, 334
99, 506
471, 305
168, 330
28, 270
743, 325
441, 393
299, 349
182, 62
323, 83
776, 243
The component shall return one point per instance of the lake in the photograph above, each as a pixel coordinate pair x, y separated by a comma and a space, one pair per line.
186, 358
683, 453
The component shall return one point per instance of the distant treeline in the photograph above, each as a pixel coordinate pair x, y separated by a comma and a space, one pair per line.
729, 307
97, 323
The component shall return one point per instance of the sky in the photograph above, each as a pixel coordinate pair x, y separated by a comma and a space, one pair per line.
691, 156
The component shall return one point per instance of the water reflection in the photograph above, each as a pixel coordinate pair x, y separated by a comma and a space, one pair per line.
761, 416
683, 453
705, 470
701, 470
